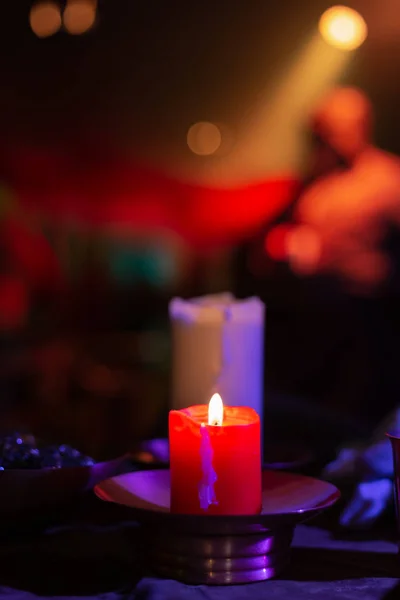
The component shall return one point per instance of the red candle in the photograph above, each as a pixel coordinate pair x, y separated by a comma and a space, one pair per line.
215, 460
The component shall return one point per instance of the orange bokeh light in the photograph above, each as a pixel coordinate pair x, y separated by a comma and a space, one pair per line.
79, 16
204, 138
45, 19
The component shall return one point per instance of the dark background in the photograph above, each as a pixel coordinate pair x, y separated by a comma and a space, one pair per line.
150, 69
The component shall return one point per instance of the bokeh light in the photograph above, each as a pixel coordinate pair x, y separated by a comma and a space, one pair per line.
79, 16
45, 19
343, 28
303, 249
204, 138
276, 241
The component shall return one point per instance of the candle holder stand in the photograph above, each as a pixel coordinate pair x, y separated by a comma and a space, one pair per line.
219, 550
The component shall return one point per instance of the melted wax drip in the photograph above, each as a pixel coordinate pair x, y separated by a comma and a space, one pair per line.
207, 495
226, 351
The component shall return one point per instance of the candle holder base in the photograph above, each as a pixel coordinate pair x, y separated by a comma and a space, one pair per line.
218, 560
219, 549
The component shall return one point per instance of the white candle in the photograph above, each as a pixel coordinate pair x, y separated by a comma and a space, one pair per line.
217, 346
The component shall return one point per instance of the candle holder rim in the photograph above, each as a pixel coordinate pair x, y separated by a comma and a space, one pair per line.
263, 516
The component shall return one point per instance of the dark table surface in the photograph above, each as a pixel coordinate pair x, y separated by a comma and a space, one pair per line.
90, 552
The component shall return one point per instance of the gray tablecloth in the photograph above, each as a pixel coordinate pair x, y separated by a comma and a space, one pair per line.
97, 559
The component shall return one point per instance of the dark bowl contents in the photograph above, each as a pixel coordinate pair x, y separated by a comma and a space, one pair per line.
23, 451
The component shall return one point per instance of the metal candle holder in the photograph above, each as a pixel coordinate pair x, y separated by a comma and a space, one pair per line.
219, 550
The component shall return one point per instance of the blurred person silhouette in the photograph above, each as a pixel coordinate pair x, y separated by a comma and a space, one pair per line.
326, 357
348, 227
333, 263
348, 217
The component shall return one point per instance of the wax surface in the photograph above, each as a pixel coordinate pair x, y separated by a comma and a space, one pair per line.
222, 463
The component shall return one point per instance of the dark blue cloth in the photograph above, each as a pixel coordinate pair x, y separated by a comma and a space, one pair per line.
96, 558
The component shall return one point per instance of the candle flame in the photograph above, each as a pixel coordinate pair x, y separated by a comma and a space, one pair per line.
215, 410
